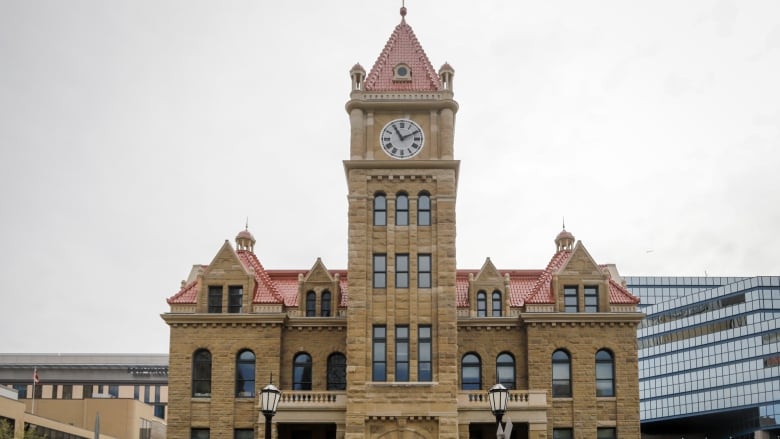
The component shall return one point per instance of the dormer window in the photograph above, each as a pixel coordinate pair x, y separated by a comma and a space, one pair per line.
402, 73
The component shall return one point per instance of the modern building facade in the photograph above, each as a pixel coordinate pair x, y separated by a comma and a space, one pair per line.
401, 343
130, 391
709, 356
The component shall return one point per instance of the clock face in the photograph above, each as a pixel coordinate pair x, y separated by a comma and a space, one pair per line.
402, 139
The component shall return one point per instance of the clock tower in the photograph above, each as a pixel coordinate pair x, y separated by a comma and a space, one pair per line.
402, 180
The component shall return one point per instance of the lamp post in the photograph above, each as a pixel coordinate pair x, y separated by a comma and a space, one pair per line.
499, 399
269, 400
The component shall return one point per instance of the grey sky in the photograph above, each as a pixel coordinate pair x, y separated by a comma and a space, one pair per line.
136, 136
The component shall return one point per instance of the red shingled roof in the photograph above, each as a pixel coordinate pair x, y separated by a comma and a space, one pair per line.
403, 47
620, 294
525, 286
187, 294
542, 292
265, 289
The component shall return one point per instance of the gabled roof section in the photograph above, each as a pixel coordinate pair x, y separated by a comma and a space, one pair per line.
318, 273
403, 48
580, 262
226, 253
487, 272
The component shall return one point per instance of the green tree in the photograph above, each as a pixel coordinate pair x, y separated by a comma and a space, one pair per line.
7, 432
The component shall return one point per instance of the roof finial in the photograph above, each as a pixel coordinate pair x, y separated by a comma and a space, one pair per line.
403, 9
246, 227
564, 222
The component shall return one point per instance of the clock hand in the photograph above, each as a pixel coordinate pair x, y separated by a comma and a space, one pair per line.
400, 136
410, 134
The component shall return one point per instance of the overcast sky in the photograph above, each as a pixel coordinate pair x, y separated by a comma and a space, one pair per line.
136, 136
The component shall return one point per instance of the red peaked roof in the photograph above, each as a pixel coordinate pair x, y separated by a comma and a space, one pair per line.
403, 48
525, 286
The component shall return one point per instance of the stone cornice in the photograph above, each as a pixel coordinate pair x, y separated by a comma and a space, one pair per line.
401, 101
319, 323
581, 319
488, 323
204, 320
403, 165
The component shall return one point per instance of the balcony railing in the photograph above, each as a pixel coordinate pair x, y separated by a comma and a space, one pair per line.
306, 400
518, 399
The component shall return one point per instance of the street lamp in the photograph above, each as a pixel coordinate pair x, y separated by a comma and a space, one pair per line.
269, 399
499, 399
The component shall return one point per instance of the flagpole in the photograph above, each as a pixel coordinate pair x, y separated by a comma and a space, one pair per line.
35, 378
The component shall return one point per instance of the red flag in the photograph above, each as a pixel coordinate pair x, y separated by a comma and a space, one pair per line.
36, 380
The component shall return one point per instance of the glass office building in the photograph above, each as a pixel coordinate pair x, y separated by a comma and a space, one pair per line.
709, 356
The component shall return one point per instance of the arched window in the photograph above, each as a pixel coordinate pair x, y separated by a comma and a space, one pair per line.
605, 373
302, 372
561, 374
424, 209
325, 304
311, 304
505, 370
245, 374
401, 209
380, 209
496, 302
471, 372
201, 374
481, 304
337, 372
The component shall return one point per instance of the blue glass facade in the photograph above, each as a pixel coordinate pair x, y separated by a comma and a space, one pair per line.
709, 346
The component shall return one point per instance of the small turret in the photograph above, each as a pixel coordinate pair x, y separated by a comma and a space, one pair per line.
245, 240
564, 240
358, 75
446, 72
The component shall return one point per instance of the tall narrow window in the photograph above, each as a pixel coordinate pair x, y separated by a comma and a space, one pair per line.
605, 374
380, 271
201, 374
424, 353
481, 304
379, 354
591, 299
401, 209
215, 298
235, 298
380, 209
337, 372
561, 374
402, 271
471, 372
199, 433
245, 374
311, 304
302, 372
325, 304
402, 353
424, 271
67, 391
570, 299
424, 209
496, 303
505, 370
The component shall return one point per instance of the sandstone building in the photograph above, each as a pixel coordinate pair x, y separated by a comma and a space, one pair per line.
402, 344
